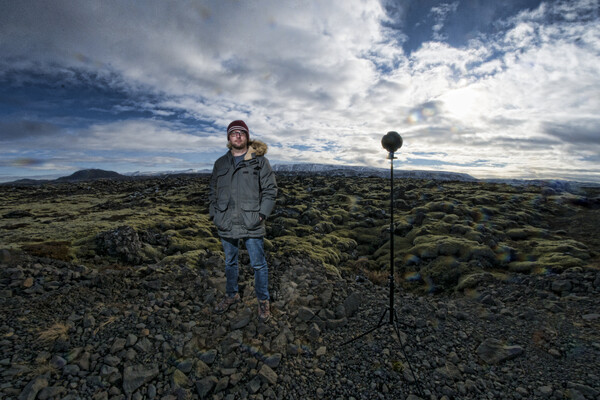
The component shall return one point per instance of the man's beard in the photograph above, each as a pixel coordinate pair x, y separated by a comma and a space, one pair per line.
240, 146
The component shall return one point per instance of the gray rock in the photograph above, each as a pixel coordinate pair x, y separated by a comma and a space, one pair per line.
135, 376
561, 285
118, 345
574, 394
186, 365
209, 356
205, 386
231, 342
280, 342
254, 385
131, 340
144, 345
71, 369
240, 321
449, 371
273, 360
221, 384
266, 374
590, 317
32, 389
180, 379
5, 256
58, 362
89, 321
51, 392
314, 332
545, 391
337, 323
122, 242
493, 351
151, 391
113, 361
326, 295
352, 304
305, 313
106, 371
586, 390
201, 369
84, 361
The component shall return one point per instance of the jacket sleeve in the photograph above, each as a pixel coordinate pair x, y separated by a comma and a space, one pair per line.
212, 192
268, 189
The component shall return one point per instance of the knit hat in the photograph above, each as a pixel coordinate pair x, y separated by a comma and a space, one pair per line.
238, 124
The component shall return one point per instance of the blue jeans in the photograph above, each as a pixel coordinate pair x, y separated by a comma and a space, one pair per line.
256, 252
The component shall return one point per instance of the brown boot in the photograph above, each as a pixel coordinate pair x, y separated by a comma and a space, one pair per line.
226, 303
264, 311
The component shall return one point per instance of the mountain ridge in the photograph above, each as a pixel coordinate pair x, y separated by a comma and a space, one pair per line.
318, 169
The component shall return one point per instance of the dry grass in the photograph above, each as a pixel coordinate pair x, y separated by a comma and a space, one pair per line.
377, 277
57, 249
44, 369
109, 321
55, 332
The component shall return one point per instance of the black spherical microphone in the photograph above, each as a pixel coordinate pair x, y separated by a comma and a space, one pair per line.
391, 141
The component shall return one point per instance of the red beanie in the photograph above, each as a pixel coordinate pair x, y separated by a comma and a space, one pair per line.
239, 124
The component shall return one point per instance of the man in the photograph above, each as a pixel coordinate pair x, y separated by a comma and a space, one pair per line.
242, 196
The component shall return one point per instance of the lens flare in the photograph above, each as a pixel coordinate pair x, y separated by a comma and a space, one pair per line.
411, 259
421, 114
412, 276
25, 162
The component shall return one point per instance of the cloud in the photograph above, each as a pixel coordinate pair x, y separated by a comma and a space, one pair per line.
318, 82
20, 130
440, 13
583, 131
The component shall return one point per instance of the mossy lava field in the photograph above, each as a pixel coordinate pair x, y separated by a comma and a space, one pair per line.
446, 233
107, 289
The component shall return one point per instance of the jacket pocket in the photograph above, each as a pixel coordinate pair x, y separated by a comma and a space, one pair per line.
222, 219
250, 215
223, 185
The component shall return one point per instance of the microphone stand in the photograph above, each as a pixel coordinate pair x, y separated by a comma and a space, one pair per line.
390, 308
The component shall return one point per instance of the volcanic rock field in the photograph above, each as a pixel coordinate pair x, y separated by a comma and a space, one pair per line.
107, 289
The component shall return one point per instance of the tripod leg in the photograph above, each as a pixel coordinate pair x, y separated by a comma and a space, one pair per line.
370, 330
412, 371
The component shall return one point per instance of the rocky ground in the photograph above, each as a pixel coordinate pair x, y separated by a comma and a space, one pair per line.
72, 332
112, 324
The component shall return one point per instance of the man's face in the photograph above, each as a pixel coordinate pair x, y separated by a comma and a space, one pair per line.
238, 139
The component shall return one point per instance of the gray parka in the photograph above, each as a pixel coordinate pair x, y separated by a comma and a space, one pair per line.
239, 195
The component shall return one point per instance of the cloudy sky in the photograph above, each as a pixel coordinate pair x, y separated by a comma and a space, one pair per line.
491, 88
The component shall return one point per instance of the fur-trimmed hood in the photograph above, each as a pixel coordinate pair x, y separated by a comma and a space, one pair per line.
256, 147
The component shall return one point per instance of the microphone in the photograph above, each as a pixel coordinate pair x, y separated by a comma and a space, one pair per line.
391, 141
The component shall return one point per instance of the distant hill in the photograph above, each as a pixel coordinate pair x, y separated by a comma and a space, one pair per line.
27, 182
90, 175
303, 169
343, 170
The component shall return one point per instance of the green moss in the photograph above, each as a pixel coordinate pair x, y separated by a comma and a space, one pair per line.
523, 266
343, 219
332, 269
178, 244
559, 262
524, 233
286, 222
303, 231
444, 273
445, 207
472, 280
189, 259
150, 253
